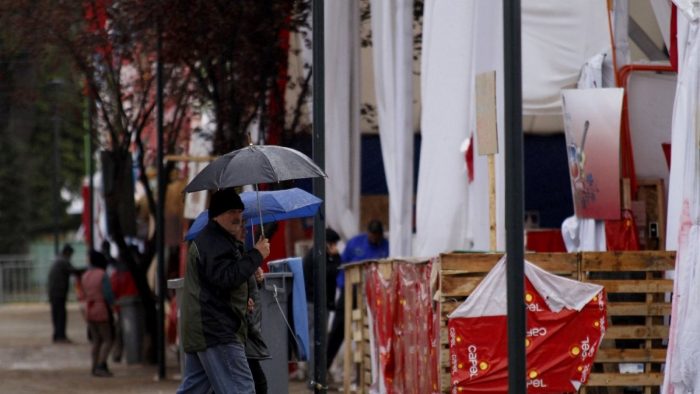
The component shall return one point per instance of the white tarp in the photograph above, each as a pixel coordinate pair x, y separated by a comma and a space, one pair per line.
392, 40
558, 37
675, 189
682, 371
558, 292
447, 82
342, 138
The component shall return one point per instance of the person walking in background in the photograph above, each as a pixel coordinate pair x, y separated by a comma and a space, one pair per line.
255, 346
123, 287
98, 298
59, 281
215, 301
366, 246
332, 265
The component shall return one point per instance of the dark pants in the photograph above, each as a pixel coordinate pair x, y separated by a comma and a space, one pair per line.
58, 318
258, 376
337, 334
101, 333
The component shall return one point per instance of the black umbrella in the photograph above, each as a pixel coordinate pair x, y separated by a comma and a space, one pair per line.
254, 164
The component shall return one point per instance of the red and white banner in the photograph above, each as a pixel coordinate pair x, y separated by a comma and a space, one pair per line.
566, 321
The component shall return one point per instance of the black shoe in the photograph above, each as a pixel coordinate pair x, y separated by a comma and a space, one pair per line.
101, 371
62, 341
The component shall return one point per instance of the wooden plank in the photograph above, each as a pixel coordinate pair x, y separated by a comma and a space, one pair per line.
459, 285
485, 97
630, 355
483, 262
492, 202
635, 285
469, 262
448, 306
637, 332
628, 379
445, 383
628, 261
638, 309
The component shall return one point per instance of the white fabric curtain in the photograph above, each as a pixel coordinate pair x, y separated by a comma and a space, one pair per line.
487, 55
682, 371
392, 40
558, 37
675, 184
342, 140
447, 82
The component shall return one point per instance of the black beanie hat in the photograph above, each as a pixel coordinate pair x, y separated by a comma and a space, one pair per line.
224, 200
331, 236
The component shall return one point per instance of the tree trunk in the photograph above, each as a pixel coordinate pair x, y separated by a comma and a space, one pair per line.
138, 269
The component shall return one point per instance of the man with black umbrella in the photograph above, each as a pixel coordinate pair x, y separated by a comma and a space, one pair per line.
215, 301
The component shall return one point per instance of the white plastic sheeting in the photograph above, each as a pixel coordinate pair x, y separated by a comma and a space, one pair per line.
447, 82
392, 40
559, 36
487, 56
682, 371
558, 292
461, 39
342, 138
675, 188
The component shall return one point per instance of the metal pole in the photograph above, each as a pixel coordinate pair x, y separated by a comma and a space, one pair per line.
319, 251
514, 196
160, 227
91, 168
56, 175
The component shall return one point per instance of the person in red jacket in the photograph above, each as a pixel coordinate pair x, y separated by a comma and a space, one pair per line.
98, 298
123, 286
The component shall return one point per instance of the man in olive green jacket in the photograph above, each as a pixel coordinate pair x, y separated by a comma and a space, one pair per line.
215, 302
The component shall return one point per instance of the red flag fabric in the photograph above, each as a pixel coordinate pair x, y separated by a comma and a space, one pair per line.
621, 234
405, 328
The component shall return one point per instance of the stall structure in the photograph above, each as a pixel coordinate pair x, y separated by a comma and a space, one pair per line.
396, 317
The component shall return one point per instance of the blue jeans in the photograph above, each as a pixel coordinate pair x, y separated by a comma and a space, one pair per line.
223, 369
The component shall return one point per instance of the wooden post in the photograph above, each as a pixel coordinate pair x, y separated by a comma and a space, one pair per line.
351, 277
487, 139
492, 202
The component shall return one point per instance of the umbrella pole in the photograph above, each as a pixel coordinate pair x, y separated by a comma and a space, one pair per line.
257, 195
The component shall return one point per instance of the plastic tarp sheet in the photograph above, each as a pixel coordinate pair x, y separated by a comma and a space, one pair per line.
558, 37
342, 144
460, 40
404, 329
566, 321
682, 371
392, 41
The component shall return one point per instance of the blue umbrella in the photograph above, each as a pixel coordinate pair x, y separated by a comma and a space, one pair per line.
274, 206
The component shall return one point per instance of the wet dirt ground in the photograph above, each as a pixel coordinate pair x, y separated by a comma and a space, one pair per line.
31, 363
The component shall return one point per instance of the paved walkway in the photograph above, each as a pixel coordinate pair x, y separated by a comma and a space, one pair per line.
31, 363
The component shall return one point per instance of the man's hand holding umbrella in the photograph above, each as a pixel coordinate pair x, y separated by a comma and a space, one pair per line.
263, 246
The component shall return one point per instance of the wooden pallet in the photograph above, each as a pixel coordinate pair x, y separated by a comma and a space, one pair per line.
637, 306
636, 310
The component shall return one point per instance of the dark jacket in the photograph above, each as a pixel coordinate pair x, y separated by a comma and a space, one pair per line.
215, 296
59, 278
255, 346
332, 264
